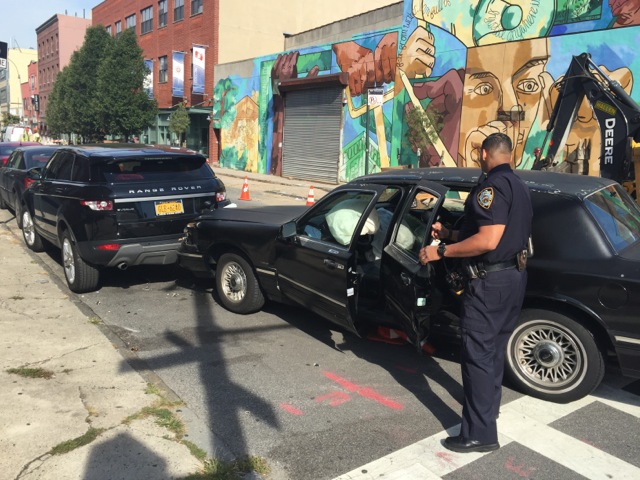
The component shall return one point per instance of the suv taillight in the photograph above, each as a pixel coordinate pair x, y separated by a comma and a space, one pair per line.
28, 181
98, 205
221, 196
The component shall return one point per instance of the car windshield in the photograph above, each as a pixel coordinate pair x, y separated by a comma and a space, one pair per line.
37, 158
617, 214
7, 149
155, 168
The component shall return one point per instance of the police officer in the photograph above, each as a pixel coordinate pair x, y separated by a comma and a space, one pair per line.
493, 239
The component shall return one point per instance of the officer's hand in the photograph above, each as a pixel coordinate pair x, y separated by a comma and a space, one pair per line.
439, 231
429, 254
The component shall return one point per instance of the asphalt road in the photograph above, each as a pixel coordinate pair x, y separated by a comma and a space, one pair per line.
289, 386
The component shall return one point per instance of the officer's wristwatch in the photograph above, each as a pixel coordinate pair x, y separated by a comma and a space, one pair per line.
441, 249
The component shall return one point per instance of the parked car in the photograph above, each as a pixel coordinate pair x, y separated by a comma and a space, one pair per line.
14, 179
352, 258
7, 147
116, 207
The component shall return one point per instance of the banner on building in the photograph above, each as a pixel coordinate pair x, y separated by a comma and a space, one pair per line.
3, 54
198, 69
148, 81
178, 74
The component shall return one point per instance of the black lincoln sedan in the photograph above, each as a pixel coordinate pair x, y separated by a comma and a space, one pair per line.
353, 259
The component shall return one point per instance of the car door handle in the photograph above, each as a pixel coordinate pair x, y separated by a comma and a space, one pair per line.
330, 263
406, 279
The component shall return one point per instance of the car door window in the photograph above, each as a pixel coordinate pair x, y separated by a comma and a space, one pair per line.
411, 234
60, 168
14, 160
80, 170
335, 220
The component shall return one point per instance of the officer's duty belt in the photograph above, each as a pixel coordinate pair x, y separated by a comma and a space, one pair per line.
495, 267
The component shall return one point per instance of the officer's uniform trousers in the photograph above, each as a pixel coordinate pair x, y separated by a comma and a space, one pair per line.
491, 307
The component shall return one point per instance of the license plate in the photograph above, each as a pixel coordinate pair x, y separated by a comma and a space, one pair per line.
169, 208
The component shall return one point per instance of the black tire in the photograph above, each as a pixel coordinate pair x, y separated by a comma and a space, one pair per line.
81, 277
237, 285
552, 357
31, 237
18, 210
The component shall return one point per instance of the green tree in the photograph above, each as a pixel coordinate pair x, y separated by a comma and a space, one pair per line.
58, 114
179, 121
10, 118
80, 98
423, 128
124, 107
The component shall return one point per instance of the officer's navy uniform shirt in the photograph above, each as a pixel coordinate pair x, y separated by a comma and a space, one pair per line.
499, 198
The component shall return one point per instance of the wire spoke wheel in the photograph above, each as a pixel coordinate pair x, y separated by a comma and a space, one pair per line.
234, 282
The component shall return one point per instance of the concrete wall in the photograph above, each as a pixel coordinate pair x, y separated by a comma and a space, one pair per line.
253, 28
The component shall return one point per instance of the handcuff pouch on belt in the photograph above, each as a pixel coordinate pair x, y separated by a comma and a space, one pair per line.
521, 259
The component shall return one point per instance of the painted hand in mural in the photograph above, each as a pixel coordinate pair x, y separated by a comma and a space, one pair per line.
367, 68
626, 11
445, 107
417, 57
286, 66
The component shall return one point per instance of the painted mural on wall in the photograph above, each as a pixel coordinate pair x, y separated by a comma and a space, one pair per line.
475, 67
370, 61
503, 73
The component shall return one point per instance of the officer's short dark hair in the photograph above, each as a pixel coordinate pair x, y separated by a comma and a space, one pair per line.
497, 141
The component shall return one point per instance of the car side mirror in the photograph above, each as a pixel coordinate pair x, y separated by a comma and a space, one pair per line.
289, 230
35, 174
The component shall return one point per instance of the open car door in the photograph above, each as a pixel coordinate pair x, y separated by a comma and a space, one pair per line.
316, 255
407, 284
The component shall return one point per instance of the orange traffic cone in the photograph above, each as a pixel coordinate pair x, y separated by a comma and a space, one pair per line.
244, 195
310, 199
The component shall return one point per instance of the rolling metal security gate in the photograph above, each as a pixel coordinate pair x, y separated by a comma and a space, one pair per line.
312, 126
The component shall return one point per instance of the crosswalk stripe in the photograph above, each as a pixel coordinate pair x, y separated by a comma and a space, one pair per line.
574, 454
524, 421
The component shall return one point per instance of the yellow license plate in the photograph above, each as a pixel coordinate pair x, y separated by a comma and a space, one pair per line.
169, 208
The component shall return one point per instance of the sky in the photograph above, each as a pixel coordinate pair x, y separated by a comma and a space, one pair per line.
19, 19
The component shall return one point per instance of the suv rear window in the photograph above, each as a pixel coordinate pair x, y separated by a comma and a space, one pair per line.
154, 168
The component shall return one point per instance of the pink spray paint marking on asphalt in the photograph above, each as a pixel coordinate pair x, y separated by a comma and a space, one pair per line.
518, 469
336, 398
291, 409
364, 392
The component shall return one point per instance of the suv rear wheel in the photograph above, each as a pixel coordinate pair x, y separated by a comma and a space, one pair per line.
552, 357
31, 237
81, 277
237, 285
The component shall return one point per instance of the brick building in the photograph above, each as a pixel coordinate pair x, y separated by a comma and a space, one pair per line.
58, 38
30, 97
171, 33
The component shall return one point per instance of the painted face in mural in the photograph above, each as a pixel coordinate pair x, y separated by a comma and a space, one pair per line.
505, 87
627, 12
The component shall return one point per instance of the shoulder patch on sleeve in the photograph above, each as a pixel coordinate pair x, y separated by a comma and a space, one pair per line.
485, 197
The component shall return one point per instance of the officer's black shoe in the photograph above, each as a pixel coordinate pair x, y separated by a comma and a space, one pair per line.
462, 445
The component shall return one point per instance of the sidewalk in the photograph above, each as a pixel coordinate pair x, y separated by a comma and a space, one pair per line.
72, 406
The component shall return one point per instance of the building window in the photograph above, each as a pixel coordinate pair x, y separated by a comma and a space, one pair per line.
196, 7
162, 13
108, 29
32, 82
131, 21
147, 20
178, 10
118, 28
162, 70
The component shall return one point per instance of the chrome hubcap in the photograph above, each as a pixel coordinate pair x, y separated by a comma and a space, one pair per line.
234, 282
67, 260
549, 355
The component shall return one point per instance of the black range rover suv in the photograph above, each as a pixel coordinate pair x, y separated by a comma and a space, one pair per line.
106, 207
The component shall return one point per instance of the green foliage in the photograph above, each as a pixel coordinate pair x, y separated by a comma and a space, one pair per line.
124, 107
81, 441
10, 119
32, 372
179, 121
101, 91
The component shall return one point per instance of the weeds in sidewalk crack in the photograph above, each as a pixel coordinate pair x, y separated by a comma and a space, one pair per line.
234, 470
81, 441
27, 372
